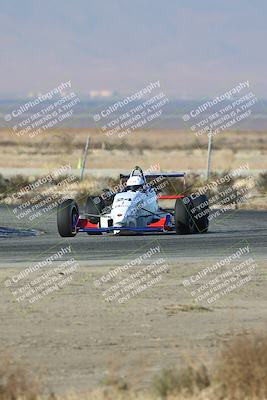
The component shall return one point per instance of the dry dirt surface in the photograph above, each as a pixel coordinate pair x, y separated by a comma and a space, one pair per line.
78, 335
74, 339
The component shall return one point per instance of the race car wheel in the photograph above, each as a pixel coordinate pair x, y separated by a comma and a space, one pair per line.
94, 205
200, 212
67, 217
184, 221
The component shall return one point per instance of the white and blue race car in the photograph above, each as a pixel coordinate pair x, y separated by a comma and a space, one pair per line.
135, 209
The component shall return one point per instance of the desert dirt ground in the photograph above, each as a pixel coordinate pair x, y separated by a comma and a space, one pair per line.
171, 149
75, 339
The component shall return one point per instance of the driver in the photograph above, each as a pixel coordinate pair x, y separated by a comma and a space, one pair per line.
135, 183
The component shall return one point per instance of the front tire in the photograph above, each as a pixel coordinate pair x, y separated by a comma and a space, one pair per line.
67, 217
184, 222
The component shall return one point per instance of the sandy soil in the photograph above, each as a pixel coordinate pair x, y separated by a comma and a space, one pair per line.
74, 339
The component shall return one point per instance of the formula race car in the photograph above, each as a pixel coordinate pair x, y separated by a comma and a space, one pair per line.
134, 208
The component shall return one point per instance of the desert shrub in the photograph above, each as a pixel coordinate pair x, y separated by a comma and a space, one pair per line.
241, 369
65, 178
11, 185
174, 381
262, 182
170, 186
18, 181
3, 184
111, 182
15, 383
239, 373
81, 196
194, 182
115, 382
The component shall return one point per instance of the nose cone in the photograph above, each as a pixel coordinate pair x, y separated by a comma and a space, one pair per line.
122, 208
119, 218
120, 215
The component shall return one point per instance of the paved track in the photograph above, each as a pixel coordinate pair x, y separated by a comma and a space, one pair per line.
225, 232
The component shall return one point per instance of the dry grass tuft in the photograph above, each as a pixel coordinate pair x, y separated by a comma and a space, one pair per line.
262, 183
241, 368
185, 381
16, 383
239, 373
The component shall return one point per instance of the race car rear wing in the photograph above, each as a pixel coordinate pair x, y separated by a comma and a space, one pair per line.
163, 175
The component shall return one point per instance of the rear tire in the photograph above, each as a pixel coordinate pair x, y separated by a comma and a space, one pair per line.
94, 207
67, 217
184, 222
201, 213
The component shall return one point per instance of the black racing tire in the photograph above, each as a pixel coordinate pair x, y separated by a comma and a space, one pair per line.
200, 212
184, 222
67, 216
94, 205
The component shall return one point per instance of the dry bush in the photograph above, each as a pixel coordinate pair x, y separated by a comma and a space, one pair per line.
181, 381
12, 184
262, 182
194, 182
3, 185
239, 373
241, 370
15, 382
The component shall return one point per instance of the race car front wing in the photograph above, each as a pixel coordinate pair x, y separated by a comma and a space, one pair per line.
163, 225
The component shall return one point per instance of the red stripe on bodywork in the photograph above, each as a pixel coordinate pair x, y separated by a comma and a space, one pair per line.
158, 224
162, 223
85, 223
179, 196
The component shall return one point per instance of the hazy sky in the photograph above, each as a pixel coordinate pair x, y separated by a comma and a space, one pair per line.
196, 48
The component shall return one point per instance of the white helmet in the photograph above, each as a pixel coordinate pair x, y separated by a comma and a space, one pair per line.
135, 182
